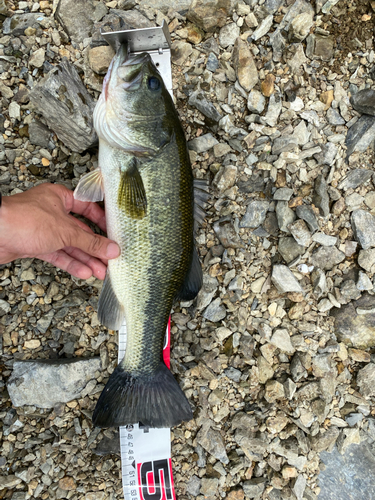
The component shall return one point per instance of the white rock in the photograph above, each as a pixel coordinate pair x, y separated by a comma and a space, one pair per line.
15, 110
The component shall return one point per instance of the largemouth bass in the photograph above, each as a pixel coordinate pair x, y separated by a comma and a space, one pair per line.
146, 179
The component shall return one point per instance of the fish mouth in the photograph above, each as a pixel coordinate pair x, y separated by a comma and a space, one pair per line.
120, 58
131, 71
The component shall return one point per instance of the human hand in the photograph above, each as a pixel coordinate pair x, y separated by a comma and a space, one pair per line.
38, 223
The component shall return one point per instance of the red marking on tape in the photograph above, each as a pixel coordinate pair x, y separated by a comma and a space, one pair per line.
167, 346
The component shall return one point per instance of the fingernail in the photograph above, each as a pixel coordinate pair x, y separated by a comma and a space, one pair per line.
113, 251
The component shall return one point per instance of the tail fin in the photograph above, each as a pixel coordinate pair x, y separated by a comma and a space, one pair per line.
154, 399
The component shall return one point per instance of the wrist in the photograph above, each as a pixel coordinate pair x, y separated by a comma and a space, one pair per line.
8, 239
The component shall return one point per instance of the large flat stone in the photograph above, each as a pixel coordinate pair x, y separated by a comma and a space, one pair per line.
44, 383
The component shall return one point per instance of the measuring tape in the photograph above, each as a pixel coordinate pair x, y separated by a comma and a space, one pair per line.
146, 463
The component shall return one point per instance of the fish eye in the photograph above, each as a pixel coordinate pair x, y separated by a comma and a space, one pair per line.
153, 83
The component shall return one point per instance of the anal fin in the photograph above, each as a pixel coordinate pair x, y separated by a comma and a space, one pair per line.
193, 279
110, 311
132, 195
90, 187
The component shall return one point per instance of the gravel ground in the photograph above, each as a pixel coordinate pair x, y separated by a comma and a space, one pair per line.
276, 355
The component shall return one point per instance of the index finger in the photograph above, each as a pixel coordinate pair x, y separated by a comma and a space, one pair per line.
90, 210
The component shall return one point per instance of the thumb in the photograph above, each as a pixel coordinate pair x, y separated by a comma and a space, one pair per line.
94, 244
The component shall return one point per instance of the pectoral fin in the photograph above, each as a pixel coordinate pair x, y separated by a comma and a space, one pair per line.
90, 187
132, 195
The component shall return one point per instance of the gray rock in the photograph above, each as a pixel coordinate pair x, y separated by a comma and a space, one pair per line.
349, 476
5, 177
297, 369
209, 487
263, 28
363, 225
245, 66
306, 213
281, 339
74, 106
228, 34
8, 482
39, 134
254, 487
356, 330
289, 249
212, 62
326, 258
17, 24
193, 486
37, 59
233, 374
45, 321
324, 239
215, 311
364, 101
325, 441
298, 58
271, 6
283, 194
133, 19
203, 143
366, 259
225, 178
4, 307
355, 178
180, 51
360, 135
364, 283
78, 26
301, 134
273, 111
299, 486
284, 280
300, 232
349, 290
212, 441
44, 383
210, 14
255, 213
162, 5
284, 143
226, 232
319, 47
289, 388
320, 197
74, 299
285, 216
353, 419
334, 117
366, 380
199, 101
256, 102
328, 154
207, 292
300, 26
